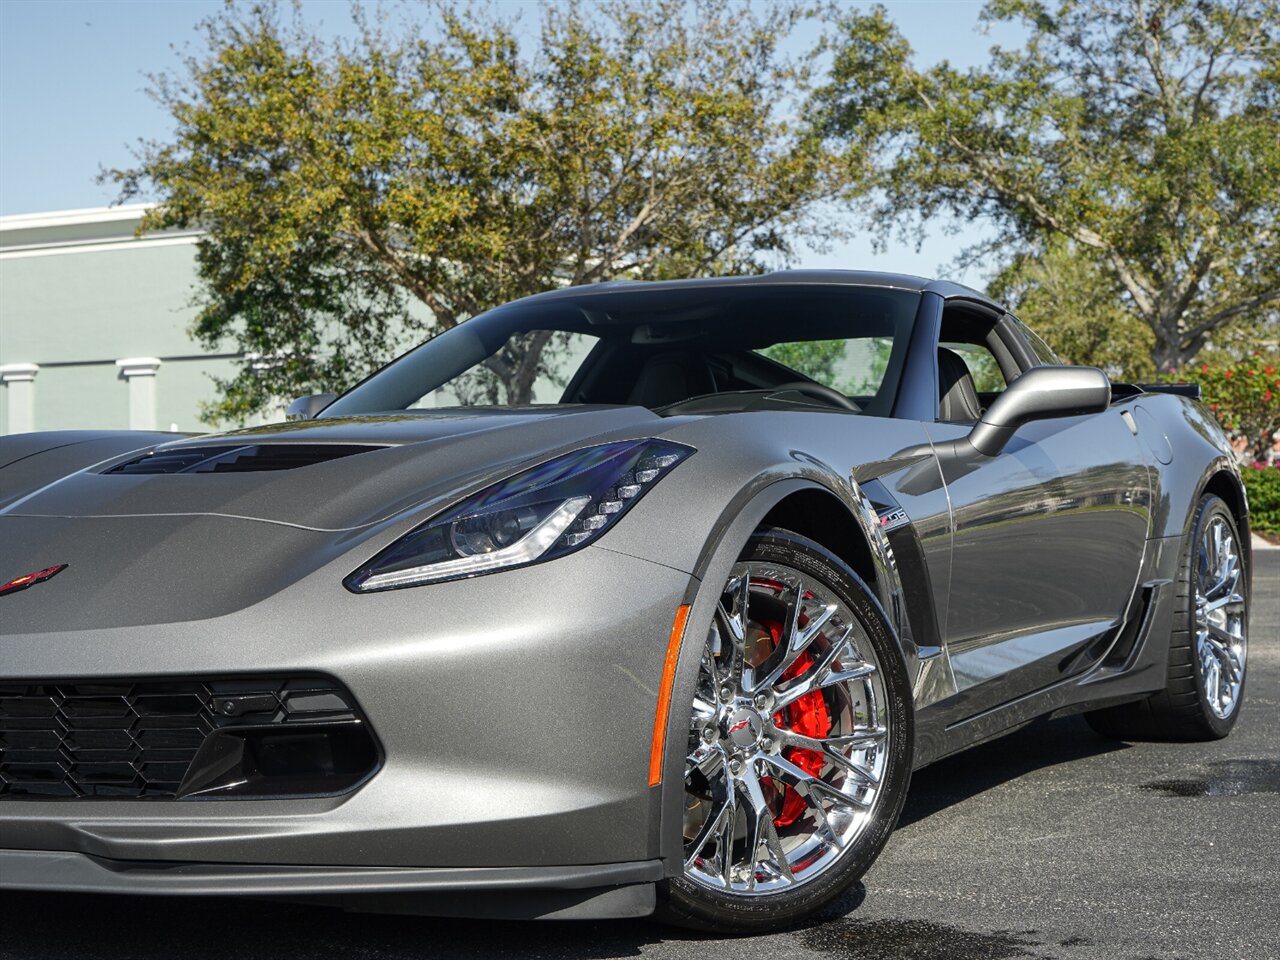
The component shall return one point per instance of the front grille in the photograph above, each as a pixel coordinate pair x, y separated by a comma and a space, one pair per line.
239, 458
137, 739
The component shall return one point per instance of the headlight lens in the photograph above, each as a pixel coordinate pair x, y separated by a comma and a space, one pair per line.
542, 513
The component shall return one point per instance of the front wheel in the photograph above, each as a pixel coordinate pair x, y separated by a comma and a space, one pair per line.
800, 742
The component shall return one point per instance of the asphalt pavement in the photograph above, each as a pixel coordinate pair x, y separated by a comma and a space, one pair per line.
1048, 843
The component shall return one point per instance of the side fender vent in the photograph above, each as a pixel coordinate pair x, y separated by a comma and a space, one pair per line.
250, 458
1134, 633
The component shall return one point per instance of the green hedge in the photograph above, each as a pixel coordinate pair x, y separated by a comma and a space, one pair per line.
1263, 485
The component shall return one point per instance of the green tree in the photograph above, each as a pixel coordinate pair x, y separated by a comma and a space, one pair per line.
358, 196
1063, 293
815, 359
1145, 132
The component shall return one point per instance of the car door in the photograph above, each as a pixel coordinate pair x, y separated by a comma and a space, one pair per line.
1047, 536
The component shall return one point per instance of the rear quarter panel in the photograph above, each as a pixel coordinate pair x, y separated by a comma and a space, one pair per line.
1188, 448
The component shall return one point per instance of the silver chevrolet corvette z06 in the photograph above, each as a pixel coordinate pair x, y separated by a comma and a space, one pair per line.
667, 635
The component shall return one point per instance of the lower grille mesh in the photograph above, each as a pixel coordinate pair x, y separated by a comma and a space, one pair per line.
136, 740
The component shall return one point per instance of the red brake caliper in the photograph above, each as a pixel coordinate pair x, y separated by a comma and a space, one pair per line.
809, 717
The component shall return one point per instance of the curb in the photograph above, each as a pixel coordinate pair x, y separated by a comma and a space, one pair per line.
1260, 544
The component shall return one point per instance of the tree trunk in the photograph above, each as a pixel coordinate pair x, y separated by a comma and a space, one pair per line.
519, 385
1167, 353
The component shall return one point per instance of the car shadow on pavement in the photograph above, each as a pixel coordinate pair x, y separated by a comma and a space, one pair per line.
105, 927
1040, 744
100, 927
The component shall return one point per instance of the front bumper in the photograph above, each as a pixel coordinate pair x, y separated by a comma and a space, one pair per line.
515, 713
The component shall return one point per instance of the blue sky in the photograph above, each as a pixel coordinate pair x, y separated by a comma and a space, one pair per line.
73, 97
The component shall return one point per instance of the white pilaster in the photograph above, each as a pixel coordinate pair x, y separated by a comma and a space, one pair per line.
20, 380
141, 374
273, 413
260, 363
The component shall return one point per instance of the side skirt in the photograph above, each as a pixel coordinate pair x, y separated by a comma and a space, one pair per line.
1125, 664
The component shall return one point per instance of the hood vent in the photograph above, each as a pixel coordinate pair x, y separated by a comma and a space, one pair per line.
250, 458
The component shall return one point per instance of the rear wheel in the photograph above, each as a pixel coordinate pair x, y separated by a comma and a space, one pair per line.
1209, 646
800, 740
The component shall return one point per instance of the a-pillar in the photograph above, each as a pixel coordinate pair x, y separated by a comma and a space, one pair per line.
140, 372
20, 382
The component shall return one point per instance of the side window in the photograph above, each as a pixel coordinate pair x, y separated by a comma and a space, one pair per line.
1044, 353
982, 365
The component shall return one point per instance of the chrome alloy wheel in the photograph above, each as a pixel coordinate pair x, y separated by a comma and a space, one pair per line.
1221, 644
788, 738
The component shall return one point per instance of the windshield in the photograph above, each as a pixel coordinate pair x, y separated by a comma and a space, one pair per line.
685, 348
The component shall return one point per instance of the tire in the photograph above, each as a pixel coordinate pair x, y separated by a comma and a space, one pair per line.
1200, 658
741, 874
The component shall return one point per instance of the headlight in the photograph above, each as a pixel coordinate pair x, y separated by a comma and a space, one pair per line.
545, 512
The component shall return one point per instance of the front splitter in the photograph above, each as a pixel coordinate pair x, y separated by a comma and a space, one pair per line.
594, 891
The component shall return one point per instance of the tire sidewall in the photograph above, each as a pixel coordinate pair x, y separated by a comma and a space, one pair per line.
690, 904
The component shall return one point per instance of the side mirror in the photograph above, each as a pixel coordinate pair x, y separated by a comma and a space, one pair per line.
305, 408
1042, 393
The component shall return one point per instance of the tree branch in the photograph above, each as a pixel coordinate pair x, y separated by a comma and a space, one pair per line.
1228, 313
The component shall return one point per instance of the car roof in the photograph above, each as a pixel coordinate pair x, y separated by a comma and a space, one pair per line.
862, 278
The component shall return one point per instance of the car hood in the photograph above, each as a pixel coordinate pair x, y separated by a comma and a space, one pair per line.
402, 461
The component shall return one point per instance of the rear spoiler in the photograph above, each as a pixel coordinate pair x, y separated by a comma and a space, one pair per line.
1189, 390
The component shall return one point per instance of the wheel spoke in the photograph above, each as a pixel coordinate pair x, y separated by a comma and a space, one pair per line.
1213, 679
1208, 554
796, 640
777, 856
812, 681
740, 589
1222, 636
1228, 578
703, 711
819, 666
761, 830
713, 828
754, 810
1232, 602
724, 839
705, 760
710, 663
1221, 649
727, 616
735, 622
829, 835
863, 776
805, 636
807, 785
873, 707
863, 738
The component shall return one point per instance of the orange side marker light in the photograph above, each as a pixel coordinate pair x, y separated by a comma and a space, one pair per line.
664, 695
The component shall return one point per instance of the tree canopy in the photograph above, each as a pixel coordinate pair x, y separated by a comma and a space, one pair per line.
358, 195
1142, 136
1066, 294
